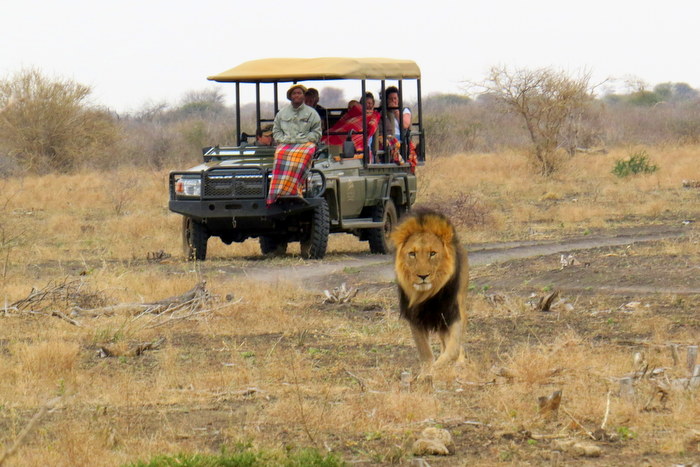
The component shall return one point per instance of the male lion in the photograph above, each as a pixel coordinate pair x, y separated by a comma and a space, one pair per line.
433, 276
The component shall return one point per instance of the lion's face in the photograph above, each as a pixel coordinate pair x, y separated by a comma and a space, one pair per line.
423, 254
423, 265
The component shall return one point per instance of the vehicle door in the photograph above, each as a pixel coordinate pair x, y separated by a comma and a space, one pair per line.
344, 176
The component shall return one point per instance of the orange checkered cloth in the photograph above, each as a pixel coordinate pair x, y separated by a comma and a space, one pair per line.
291, 162
352, 120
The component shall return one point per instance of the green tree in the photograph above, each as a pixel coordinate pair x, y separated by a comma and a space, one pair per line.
49, 124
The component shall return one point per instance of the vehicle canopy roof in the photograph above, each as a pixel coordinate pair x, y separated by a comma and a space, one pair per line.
325, 68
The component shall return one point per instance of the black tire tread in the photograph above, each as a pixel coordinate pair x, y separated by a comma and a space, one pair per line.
195, 236
314, 247
378, 238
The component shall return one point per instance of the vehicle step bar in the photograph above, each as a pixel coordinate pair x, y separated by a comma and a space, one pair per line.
363, 223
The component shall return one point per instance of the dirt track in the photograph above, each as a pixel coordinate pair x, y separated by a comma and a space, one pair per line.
363, 268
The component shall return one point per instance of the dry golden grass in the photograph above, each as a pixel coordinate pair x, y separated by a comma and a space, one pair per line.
584, 194
274, 366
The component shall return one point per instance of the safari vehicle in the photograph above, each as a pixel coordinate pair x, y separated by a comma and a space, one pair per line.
345, 192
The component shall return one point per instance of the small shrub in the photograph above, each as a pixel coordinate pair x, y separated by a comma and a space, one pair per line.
625, 433
49, 124
638, 163
465, 210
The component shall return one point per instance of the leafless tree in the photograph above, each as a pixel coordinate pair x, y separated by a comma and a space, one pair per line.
551, 104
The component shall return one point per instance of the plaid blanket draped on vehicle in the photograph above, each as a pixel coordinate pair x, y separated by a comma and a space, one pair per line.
393, 148
352, 120
291, 162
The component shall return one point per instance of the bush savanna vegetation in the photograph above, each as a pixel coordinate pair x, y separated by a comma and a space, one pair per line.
106, 357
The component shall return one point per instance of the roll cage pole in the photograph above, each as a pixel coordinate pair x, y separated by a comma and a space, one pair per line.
421, 135
257, 107
365, 146
238, 112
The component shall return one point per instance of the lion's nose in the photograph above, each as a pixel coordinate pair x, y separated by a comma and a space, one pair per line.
423, 278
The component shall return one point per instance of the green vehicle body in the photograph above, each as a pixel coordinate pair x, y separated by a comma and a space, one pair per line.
225, 196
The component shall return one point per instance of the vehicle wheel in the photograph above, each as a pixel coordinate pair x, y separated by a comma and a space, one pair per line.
194, 239
313, 246
378, 239
273, 246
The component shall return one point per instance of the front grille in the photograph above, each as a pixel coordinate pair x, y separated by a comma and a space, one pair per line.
247, 183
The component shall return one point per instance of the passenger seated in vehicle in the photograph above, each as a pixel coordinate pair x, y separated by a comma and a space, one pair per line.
297, 129
263, 136
352, 120
391, 127
311, 98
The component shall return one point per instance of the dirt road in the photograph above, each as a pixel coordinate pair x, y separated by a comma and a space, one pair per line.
360, 268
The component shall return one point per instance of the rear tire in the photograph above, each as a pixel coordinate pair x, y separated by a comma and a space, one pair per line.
314, 245
195, 236
272, 246
378, 239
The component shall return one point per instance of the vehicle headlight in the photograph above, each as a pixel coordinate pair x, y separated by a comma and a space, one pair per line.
188, 187
315, 184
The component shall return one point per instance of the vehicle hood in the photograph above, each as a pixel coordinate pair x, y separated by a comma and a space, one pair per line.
235, 163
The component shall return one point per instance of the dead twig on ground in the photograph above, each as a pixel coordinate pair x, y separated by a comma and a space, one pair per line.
57, 295
359, 380
545, 303
549, 405
50, 404
55, 313
339, 294
577, 423
607, 412
135, 351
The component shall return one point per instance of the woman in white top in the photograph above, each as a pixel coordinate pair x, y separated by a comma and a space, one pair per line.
392, 129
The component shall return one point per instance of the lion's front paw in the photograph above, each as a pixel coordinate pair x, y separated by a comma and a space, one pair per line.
442, 362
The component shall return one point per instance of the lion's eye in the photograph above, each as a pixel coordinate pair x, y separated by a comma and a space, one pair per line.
411, 254
433, 253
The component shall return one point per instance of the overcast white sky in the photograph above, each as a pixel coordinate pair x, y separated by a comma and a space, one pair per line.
133, 52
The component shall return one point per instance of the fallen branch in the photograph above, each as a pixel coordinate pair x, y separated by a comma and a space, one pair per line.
64, 294
173, 318
194, 296
55, 313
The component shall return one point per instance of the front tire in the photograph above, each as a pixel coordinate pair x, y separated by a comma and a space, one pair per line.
195, 236
272, 246
379, 243
315, 242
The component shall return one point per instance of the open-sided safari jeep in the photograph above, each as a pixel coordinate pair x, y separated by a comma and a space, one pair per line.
344, 192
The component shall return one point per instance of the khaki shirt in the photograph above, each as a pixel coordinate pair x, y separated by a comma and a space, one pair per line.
294, 126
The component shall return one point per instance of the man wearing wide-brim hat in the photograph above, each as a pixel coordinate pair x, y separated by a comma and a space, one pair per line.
297, 129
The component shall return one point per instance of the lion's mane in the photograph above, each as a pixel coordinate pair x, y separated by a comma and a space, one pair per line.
435, 309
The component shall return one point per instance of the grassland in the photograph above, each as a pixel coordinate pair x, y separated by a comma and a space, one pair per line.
272, 366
